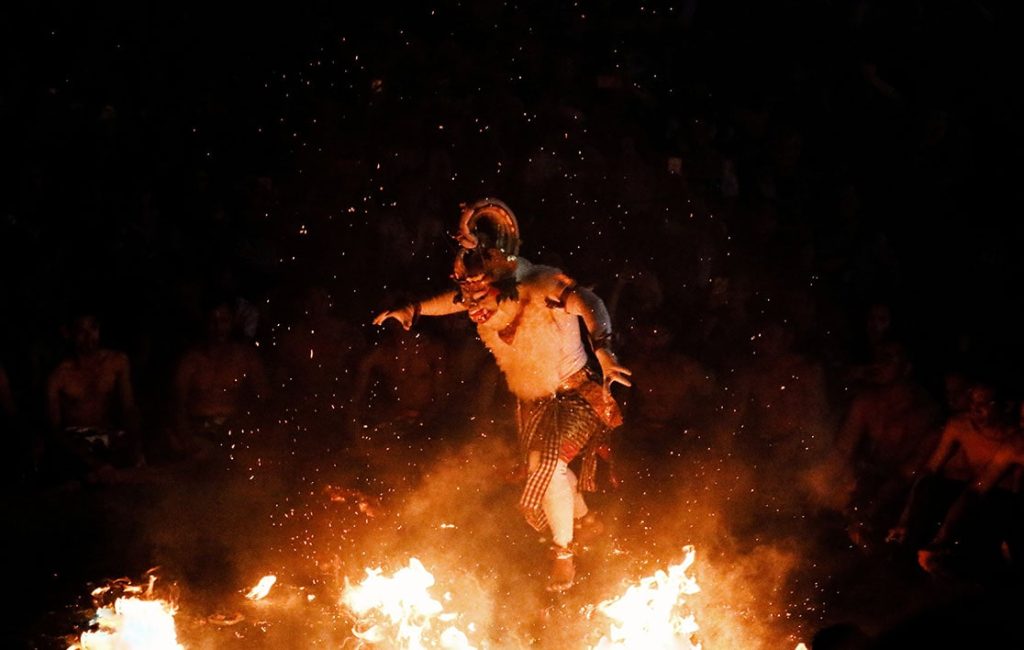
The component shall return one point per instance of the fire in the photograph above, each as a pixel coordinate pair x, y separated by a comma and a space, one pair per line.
132, 624
136, 621
400, 611
651, 614
262, 588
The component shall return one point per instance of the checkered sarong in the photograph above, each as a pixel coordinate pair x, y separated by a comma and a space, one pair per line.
560, 427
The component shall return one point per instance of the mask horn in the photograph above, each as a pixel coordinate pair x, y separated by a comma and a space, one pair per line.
503, 221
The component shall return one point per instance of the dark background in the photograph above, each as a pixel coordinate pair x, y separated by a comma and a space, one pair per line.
137, 137
154, 150
157, 154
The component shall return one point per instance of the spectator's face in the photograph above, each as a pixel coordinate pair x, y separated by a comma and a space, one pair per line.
220, 323
956, 393
982, 405
85, 334
879, 320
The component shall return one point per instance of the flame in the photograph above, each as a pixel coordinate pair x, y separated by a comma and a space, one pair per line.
399, 609
262, 588
651, 614
132, 624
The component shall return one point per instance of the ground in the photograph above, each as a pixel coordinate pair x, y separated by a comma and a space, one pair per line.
769, 579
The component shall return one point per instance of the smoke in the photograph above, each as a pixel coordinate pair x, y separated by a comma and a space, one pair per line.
448, 498
748, 519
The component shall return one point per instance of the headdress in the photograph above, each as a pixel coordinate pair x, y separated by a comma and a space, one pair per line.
489, 239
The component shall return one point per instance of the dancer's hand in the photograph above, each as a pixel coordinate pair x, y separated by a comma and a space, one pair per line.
612, 371
404, 316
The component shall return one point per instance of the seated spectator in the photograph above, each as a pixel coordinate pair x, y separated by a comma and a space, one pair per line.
1002, 473
777, 422
318, 354
214, 383
674, 392
245, 316
398, 382
878, 333
781, 408
91, 408
970, 445
885, 438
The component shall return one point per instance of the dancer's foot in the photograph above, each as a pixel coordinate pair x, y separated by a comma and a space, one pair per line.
563, 569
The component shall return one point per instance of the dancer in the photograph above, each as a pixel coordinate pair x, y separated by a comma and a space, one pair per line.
528, 316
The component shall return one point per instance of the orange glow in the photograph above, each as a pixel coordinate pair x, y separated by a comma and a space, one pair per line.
262, 588
132, 624
652, 613
399, 610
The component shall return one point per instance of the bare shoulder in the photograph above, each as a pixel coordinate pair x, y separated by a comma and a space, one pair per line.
1014, 449
115, 360
61, 372
956, 427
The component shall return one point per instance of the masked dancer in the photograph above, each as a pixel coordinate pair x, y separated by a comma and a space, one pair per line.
528, 315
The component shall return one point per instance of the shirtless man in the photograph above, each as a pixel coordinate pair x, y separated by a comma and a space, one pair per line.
677, 394
213, 382
91, 406
1004, 470
528, 316
885, 437
970, 445
318, 353
781, 405
399, 382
